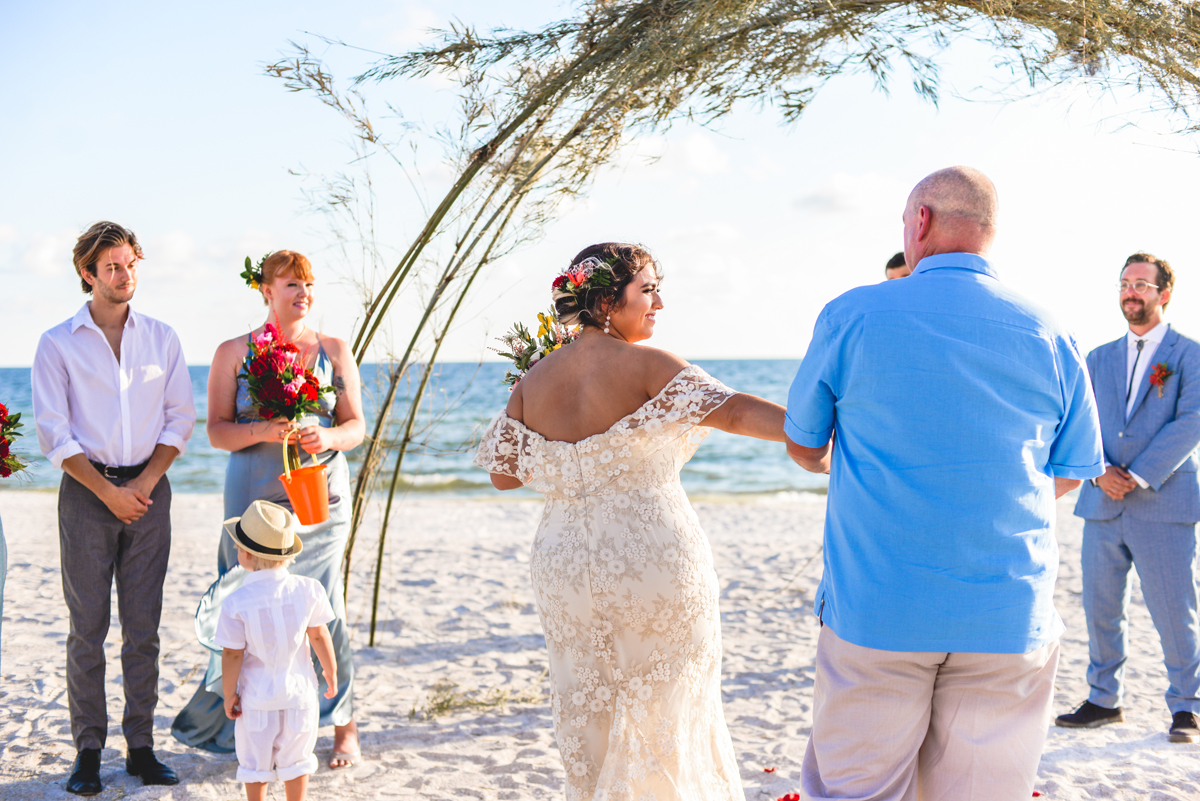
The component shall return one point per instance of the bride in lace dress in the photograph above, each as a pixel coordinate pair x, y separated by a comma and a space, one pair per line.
622, 573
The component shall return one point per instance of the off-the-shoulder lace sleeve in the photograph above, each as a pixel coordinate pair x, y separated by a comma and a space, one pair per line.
506, 449
680, 408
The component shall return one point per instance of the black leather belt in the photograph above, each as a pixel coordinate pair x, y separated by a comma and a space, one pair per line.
113, 471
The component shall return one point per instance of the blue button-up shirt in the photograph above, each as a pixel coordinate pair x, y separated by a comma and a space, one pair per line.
954, 402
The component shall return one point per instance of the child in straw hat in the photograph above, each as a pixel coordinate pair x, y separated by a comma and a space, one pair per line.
267, 674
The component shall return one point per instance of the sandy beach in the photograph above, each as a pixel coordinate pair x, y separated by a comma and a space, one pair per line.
457, 621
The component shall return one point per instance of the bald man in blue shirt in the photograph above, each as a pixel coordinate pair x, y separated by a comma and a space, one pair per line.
950, 413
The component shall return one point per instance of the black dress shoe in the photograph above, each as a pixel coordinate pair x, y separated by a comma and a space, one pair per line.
85, 773
1090, 716
142, 762
1184, 728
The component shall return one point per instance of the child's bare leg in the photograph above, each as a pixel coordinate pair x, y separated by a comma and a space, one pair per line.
296, 788
256, 791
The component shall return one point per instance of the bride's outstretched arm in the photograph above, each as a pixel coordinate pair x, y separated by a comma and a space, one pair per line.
814, 460
750, 416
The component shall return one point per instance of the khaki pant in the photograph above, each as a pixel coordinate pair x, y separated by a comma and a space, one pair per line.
903, 726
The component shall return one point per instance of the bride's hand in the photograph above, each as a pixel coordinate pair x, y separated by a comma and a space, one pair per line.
315, 439
273, 430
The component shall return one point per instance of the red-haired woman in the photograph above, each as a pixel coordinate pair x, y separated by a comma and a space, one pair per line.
255, 461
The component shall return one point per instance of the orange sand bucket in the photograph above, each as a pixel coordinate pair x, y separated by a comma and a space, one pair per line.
307, 489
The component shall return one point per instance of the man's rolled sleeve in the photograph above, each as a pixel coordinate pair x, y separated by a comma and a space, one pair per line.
179, 411
811, 402
1077, 451
51, 409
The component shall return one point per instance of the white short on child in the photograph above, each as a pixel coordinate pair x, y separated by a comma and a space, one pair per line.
269, 617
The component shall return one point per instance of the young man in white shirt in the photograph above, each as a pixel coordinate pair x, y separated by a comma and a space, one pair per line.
112, 402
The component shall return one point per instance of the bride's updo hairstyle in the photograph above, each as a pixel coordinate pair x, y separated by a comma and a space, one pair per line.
586, 305
285, 263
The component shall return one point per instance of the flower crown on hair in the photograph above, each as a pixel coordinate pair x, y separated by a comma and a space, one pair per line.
253, 275
588, 274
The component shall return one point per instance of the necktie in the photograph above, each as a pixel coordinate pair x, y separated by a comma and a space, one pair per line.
1129, 391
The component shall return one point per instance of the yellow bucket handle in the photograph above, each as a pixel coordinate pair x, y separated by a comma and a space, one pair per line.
287, 469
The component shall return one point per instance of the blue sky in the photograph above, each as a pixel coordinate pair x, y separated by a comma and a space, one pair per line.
159, 116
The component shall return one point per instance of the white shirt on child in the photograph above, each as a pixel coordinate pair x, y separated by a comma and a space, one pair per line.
269, 616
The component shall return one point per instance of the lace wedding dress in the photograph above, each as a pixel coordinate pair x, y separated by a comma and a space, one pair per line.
624, 583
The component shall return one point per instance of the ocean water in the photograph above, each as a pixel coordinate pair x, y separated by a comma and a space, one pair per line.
461, 400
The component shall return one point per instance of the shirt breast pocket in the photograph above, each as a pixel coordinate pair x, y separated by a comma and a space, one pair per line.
150, 374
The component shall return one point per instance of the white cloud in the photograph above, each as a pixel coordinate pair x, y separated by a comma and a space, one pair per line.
703, 155
855, 193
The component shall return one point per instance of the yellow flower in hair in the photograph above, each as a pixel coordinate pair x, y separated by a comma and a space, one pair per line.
253, 284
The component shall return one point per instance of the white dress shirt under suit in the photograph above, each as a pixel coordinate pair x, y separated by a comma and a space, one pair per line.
1135, 370
114, 412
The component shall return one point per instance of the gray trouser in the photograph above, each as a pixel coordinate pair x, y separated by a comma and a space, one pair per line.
95, 546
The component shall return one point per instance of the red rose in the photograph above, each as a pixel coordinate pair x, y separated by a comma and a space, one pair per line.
4, 471
559, 282
3, 448
309, 391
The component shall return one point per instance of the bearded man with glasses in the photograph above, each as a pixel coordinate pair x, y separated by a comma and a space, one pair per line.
1145, 507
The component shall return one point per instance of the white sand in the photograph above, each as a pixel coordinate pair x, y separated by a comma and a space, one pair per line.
458, 608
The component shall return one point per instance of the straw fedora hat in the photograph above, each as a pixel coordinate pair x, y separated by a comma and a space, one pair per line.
266, 530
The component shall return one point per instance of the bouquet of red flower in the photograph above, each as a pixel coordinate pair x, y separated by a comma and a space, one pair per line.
9, 462
279, 384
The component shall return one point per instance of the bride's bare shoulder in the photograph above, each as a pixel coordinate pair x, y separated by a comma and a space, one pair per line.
657, 367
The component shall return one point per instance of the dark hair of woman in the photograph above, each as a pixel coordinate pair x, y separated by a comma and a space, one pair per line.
586, 307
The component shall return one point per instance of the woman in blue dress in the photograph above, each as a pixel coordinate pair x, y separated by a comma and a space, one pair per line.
255, 462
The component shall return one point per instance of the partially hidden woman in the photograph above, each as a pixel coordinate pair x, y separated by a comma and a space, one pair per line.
622, 573
255, 462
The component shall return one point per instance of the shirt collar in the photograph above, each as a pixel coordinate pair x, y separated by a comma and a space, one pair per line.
957, 261
84, 317
1154, 335
267, 574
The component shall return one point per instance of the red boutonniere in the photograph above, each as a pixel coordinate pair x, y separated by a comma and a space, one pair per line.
1160, 375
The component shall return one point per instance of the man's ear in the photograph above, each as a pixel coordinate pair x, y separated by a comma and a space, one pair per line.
924, 222
1165, 295
89, 276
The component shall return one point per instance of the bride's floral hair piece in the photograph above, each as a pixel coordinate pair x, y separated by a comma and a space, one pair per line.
597, 279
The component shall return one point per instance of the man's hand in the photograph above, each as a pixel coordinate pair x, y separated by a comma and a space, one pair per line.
1116, 483
126, 503
143, 485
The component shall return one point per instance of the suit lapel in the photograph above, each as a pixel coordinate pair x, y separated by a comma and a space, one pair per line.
1161, 354
1116, 378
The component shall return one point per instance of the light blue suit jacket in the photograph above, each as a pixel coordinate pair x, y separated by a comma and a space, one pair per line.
1158, 441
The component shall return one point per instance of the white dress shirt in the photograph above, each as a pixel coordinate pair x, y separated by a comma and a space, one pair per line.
269, 617
113, 412
1134, 378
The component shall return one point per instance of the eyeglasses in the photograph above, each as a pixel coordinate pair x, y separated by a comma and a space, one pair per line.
1138, 286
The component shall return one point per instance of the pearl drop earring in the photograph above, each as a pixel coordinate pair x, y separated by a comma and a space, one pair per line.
607, 318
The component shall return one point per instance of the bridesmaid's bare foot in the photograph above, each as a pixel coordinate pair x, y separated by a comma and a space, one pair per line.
345, 746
